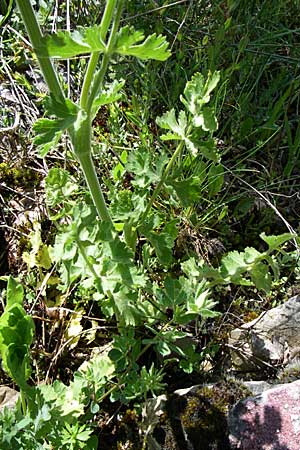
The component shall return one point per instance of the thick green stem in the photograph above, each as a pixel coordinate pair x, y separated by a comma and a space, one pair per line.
82, 149
107, 18
92, 181
35, 35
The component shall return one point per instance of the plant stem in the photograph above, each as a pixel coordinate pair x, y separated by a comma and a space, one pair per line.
98, 81
88, 168
162, 180
106, 18
88, 79
35, 35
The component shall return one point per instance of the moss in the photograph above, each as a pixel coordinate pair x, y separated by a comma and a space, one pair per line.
290, 373
18, 175
204, 417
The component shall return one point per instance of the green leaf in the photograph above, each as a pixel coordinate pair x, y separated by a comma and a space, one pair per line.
110, 95
206, 119
168, 121
233, 264
49, 131
153, 47
61, 109
178, 127
188, 190
197, 92
59, 186
14, 293
163, 241
275, 242
68, 45
209, 150
261, 277
16, 334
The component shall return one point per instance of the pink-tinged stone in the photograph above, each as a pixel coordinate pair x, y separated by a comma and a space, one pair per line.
270, 421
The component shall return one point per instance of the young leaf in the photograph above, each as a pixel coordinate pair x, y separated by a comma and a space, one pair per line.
154, 46
197, 93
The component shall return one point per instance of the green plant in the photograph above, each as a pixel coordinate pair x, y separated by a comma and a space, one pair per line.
124, 263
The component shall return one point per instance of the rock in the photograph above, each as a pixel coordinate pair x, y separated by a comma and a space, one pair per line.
271, 339
195, 418
270, 421
8, 397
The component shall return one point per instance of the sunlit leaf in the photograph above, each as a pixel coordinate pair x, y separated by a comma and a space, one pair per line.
197, 91
153, 47
65, 44
275, 242
261, 277
206, 119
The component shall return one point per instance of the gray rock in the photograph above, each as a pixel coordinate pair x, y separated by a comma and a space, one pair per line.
8, 397
270, 421
271, 339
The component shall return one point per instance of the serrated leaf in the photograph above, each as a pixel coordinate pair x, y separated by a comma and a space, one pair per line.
251, 255
154, 46
178, 127
188, 190
233, 264
275, 242
170, 137
168, 121
65, 44
61, 109
197, 92
209, 150
49, 131
261, 277
109, 95
206, 119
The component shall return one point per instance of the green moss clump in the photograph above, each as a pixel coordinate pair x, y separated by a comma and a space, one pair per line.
204, 418
18, 176
290, 373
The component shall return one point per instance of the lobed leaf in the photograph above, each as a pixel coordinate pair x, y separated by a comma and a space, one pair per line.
110, 95
154, 46
49, 131
65, 44
275, 242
